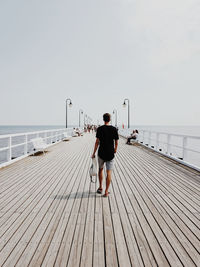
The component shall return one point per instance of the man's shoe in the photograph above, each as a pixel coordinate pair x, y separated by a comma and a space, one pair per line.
99, 190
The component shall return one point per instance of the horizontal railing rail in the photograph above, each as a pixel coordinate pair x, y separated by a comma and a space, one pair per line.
19, 145
178, 146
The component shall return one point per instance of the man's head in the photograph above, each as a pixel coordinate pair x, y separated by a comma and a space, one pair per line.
106, 117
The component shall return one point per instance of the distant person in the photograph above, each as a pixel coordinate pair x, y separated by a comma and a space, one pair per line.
133, 136
89, 128
78, 132
107, 141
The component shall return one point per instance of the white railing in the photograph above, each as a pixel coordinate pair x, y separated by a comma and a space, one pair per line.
183, 148
17, 146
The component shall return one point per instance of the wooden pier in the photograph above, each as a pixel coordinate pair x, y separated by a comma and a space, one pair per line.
50, 214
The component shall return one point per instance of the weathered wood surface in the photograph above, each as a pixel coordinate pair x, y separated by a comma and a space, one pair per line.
50, 214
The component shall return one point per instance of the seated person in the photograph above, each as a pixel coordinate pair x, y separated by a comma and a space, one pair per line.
133, 136
77, 131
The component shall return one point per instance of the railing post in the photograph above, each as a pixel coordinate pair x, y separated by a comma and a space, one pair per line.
9, 155
149, 139
45, 137
139, 137
157, 141
51, 139
54, 137
168, 143
185, 148
26, 145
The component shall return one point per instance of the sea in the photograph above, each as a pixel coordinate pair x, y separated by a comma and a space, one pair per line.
13, 129
192, 157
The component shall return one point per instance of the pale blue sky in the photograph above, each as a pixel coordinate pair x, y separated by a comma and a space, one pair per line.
98, 53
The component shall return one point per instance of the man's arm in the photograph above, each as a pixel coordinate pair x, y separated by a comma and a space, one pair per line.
116, 145
95, 147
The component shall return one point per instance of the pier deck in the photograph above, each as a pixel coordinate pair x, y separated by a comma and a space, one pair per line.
50, 214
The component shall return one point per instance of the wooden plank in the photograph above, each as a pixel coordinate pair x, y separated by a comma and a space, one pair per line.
29, 183
46, 231
34, 170
69, 231
99, 245
88, 239
32, 200
177, 171
134, 237
50, 258
181, 204
148, 246
28, 187
147, 219
179, 200
123, 233
111, 256
36, 162
175, 181
187, 258
18, 171
51, 215
45, 203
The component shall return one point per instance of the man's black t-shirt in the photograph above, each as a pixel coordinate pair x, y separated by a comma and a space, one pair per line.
106, 134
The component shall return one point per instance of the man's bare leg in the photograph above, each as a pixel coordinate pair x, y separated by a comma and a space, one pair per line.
100, 178
108, 180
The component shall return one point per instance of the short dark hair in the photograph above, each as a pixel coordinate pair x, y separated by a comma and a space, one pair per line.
106, 117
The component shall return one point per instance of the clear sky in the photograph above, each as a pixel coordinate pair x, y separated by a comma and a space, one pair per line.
98, 53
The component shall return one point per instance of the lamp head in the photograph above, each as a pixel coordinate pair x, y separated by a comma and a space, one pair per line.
70, 104
124, 104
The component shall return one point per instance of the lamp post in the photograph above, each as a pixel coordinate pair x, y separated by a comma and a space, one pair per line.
115, 112
70, 105
124, 104
80, 112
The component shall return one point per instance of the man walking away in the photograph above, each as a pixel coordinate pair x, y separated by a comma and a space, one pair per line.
107, 141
